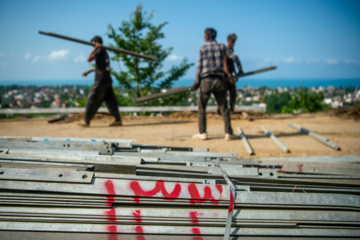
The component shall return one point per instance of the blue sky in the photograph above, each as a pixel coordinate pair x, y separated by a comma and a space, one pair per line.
306, 39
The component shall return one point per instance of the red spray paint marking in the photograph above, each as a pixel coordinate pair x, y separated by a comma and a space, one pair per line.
112, 229
194, 219
137, 215
300, 168
231, 205
111, 191
111, 214
195, 196
159, 187
139, 229
197, 232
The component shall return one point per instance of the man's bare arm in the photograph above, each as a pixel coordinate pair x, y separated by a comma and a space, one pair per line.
92, 54
87, 72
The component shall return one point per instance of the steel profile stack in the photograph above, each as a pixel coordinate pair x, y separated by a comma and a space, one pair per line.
116, 189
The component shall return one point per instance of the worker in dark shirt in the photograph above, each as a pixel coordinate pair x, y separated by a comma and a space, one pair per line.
231, 68
102, 90
209, 78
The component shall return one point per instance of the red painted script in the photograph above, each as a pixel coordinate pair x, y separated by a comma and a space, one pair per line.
111, 214
159, 187
195, 196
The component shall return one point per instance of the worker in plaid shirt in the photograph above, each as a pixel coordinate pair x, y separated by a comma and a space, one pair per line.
210, 79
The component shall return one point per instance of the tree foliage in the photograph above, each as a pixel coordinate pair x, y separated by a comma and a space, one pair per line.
306, 101
276, 102
142, 77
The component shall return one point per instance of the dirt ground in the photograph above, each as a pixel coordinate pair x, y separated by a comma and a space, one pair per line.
176, 129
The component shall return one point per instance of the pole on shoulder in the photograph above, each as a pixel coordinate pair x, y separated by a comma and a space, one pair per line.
161, 95
185, 89
116, 50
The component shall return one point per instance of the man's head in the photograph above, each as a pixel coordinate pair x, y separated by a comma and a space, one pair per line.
209, 34
231, 40
96, 39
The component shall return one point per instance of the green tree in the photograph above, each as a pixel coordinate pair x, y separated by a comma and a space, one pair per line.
306, 101
142, 77
276, 102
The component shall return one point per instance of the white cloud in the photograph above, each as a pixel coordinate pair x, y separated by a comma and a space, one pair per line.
35, 59
80, 59
53, 56
314, 60
270, 60
332, 61
58, 54
4, 64
292, 60
174, 57
352, 61
27, 56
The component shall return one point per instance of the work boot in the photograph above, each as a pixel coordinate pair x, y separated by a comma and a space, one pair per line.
83, 124
200, 136
115, 123
229, 136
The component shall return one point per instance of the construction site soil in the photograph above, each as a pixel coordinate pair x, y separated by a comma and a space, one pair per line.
341, 127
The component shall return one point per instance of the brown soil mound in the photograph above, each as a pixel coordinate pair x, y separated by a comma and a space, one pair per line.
350, 112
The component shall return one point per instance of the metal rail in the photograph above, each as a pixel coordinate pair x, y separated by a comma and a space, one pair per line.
315, 136
149, 197
10, 111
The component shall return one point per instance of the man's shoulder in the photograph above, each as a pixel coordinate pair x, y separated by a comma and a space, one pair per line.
213, 43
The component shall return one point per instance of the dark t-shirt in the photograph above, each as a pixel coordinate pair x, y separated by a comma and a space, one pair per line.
231, 65
102, 65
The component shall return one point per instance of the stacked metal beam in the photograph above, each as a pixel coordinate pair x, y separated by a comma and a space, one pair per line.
116, 189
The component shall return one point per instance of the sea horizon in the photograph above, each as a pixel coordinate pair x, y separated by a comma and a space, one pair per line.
270, 83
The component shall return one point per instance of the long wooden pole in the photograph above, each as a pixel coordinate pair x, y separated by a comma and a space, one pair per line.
116, 50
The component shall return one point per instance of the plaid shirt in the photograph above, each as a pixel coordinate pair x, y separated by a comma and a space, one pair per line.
211, 60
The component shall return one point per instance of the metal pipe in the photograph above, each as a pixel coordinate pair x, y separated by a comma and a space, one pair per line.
282, 146
316, 136
246, 142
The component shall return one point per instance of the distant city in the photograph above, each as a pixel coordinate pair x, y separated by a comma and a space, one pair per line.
242, 82
15, 96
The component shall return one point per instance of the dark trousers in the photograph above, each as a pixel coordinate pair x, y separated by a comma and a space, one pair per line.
232, 93
99, 93
217, 87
